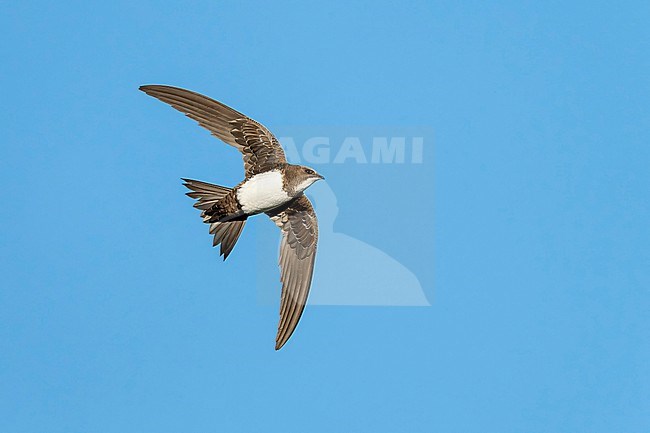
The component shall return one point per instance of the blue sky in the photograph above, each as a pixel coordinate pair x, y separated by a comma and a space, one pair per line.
526, 224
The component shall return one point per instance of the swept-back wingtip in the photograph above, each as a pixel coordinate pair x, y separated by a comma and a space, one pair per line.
281, 340
150, 89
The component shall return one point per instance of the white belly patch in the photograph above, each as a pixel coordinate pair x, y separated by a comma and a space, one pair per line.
262, 192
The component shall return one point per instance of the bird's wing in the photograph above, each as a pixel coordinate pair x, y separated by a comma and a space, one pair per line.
261, 151
299, 226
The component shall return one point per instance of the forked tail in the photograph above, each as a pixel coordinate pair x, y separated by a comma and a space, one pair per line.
207, 195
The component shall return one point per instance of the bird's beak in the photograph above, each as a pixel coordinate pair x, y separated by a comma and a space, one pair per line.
320, 176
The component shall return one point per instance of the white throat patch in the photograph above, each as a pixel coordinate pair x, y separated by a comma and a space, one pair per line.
305, 184
262, 192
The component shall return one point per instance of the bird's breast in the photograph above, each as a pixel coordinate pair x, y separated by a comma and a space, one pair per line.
262, 193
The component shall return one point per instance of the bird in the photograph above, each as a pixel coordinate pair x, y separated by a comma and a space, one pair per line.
271, 186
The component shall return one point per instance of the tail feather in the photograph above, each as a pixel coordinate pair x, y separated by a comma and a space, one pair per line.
207, 195
228, 236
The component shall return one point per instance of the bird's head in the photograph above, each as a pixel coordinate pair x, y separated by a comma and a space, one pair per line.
300, 178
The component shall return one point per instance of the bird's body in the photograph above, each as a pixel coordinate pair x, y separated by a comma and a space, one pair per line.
262, 192
271, 186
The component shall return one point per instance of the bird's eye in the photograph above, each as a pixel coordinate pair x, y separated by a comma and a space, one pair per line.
309, 171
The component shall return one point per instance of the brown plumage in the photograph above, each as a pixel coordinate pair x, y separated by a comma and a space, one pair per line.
227, 208
297, 255
284, 202
208, 196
